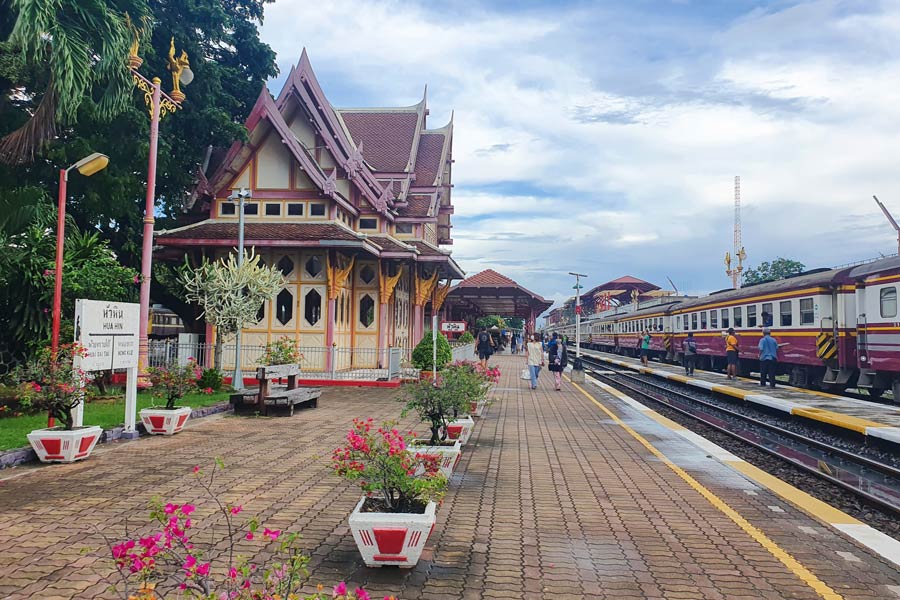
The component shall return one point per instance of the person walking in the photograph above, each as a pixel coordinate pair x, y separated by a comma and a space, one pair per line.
559, 358
768, 358
534, 359
732, 347
645, 347
689, 346
485, 346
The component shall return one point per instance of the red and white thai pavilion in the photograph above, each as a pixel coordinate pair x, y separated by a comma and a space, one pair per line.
352, 205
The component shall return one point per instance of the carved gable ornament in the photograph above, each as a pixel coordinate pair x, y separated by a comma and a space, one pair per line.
386, 198
355, 163
330, 186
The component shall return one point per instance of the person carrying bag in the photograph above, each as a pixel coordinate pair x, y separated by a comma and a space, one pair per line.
559, 358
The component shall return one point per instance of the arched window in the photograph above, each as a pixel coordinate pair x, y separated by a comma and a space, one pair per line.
313, 307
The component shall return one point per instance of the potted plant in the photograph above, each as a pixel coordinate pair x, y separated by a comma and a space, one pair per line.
434, 406
171, 561
170, 384
423, 355
282, 351
463, 385
393, 520
54, 384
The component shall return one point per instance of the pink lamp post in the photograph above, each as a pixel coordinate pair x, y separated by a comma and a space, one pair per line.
87, 166
159, 104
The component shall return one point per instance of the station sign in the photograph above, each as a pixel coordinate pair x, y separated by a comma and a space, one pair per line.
109, 332
453, 326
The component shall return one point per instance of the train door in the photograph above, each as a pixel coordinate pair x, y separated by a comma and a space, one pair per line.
862, 353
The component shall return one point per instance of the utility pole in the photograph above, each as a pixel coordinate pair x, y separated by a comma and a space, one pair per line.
891, 219
738, 247
239, 196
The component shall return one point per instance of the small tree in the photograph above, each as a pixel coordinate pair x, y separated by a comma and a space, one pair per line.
230, 295
171, 383
490, 321
53, 383
422, 354
780, 268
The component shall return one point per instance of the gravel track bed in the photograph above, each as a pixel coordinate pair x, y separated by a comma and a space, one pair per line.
825, 491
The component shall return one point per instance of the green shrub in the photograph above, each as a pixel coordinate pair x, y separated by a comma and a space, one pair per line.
421, 356
210, 378
466, 338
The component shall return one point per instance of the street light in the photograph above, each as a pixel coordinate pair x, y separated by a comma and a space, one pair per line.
239, 196
578, 277
159, 104
87, 166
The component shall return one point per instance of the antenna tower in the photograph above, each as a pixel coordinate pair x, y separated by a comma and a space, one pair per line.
738, 248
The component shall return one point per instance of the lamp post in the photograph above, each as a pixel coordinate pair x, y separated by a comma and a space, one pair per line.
159, 104
87, 166
578, 277
239, 196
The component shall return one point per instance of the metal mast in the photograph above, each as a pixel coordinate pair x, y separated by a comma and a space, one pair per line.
887, 214
738, 248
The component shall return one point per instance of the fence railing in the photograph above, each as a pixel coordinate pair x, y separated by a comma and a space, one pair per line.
365, 364
464, 352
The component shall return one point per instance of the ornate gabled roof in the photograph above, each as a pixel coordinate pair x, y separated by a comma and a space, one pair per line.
418, 206
389, 134
497, 294
211, 231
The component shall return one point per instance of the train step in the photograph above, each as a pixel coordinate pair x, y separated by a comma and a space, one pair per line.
837, 376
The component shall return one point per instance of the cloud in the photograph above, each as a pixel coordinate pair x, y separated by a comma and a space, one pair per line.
605, 138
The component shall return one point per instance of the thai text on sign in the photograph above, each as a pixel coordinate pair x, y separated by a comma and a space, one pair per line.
109, 333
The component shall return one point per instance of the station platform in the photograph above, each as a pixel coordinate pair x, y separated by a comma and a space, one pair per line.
872, 419
577, 493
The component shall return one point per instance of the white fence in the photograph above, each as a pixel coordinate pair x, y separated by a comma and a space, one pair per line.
464, 352
360, 364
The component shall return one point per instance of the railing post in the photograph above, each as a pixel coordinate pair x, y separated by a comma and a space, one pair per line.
332, 351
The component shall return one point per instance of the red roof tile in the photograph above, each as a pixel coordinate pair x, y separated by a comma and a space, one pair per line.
389, 244
387, 137
418, 206
428, 158
211, 230
487, 278
426, 249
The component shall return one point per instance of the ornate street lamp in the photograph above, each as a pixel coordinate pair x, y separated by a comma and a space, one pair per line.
158, 104
87, 166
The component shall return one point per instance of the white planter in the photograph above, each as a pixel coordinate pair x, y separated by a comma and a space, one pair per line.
460, 429
391, 538
165, 422
58, 445
447, 455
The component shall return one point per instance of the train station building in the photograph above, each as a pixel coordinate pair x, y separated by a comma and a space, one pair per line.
352, 205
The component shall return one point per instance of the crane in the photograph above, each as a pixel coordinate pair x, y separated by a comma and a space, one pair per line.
889, 218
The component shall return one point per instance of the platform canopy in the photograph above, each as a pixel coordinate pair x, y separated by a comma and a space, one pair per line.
490, 293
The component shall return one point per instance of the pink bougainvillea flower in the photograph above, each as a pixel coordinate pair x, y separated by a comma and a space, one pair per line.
272, 533
203, 569
196, 468
170, 508
249, 535
340, 589
232, 573
361, 594
188, 509
236, 509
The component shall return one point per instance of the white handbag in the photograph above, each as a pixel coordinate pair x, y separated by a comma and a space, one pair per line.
525, 375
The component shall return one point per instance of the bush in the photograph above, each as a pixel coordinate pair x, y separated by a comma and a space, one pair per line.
282, 351
173, 382
210, 379
421, 356
466, 338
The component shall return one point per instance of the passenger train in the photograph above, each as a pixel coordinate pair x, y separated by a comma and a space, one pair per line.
837, 328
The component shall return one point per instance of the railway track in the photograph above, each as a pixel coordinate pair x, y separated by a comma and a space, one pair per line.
870, 481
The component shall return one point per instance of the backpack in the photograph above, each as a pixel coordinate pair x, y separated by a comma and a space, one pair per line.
691, 346
564, 358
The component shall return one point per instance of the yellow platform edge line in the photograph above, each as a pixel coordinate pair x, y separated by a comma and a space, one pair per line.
730, 391
804, 574
666, 422
837, 419
813, 506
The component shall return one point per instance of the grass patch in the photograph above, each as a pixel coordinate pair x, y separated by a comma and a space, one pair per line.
103, 413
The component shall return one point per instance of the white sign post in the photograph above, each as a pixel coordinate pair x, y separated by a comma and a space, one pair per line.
434, 334
108, 331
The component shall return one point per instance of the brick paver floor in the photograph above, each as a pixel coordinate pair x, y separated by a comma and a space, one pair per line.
551, 500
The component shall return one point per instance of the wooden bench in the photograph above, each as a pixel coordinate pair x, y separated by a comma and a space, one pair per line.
277, 397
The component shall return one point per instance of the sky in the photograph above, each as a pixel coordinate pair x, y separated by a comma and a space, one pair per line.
604, 137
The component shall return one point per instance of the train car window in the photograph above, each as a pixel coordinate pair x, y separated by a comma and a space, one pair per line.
785, 311
889, 302
678, 322
751, 316
768, 319
807, 313
713, 320
694, 321
703, 320
725, 324
738, 316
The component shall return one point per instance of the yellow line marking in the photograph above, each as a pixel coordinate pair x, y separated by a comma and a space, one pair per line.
814, 506
665, 422
774, 549
832, 418
730, 391
679, 378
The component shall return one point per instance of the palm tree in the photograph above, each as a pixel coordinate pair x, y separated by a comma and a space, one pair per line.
83, 45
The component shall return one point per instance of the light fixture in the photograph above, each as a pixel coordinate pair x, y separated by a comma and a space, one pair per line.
186, 77
92, 163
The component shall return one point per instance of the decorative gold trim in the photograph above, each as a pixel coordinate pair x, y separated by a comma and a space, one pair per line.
440, 294
387, 283
166, 106
337, 276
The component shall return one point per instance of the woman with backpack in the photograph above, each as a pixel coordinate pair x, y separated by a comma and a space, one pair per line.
484, 346
690, 353
559, 358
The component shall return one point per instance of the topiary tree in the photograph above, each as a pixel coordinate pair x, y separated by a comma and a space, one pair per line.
422, 354
466, 338
230, 295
